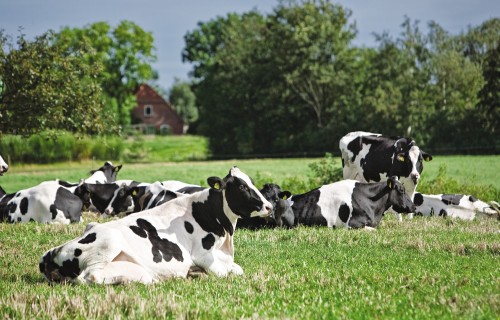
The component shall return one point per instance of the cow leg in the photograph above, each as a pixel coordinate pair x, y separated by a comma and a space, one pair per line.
400, 217
117, 272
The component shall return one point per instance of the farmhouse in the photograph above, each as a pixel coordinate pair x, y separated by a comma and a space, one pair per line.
153, 114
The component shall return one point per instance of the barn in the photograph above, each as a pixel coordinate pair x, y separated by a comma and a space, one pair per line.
153, 114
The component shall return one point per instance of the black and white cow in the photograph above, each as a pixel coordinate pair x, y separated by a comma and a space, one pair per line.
460, 206
348, 203
273, 193
4, 167
49, 202
372, 157
192, 231
105, 174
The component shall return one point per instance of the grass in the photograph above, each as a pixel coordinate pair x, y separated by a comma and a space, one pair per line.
424, 268
418, 269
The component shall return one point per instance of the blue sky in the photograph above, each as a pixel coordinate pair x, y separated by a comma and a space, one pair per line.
169, 20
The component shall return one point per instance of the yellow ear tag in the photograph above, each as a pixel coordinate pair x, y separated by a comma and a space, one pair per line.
217, 186
401, 158
284, 197
134, 193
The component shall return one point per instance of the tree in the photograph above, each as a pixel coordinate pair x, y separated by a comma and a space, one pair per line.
489, 106
126, 53
183, 100
47, 87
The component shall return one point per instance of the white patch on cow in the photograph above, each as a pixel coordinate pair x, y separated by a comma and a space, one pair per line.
3, 166
175, 185
332, 196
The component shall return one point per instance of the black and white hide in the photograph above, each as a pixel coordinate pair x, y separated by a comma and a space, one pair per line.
194, 231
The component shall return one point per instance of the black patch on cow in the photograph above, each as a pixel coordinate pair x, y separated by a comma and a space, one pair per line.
162, 197
210, 215
306, 209
241, 199
53, 210
472, 199
451, 199
23, 207
19, 219
138, 231
66, 184
69, 204
70, 268
101, 194
12, 207
189, 227
418, 199
88, 239
162, 248
208, 241
344, 212
78, 252
190, 189
443, 213
355, 147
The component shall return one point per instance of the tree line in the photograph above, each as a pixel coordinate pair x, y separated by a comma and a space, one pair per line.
293, 81
288, 82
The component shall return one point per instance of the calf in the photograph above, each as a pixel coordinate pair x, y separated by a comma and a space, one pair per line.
272, 192
49, 202
3, 166
348, 203
191, 231
452, 205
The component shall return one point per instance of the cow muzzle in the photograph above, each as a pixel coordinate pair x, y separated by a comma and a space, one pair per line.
3, 169
415, 177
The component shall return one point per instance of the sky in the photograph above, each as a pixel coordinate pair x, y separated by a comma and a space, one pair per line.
170, 20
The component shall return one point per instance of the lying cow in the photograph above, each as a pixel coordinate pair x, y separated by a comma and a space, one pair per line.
49, 202
348, 203
372, 157
453, 205
4, 167
166, 241
273, 193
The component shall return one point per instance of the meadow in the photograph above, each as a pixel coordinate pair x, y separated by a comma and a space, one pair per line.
420, 268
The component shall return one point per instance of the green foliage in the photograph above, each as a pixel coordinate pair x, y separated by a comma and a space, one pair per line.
183, 100
293, 77
44, 148
126, 53
46, 86
327, 170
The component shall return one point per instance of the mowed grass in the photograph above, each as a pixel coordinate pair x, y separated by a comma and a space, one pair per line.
423, 268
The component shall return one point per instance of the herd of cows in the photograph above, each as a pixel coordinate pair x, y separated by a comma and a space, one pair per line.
172, 228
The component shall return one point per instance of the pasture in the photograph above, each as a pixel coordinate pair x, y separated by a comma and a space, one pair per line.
423, 268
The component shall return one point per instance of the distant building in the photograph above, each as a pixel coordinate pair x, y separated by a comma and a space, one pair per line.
153, 114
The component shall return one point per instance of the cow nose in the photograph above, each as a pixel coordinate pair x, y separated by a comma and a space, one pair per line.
4, 169
108, 211
269, 209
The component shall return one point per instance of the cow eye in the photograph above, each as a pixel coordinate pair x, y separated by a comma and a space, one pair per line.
243, 188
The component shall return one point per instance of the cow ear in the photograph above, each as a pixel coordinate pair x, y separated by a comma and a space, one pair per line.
134, 191
215, 183
391, 182
117, 168
426, 156
284, 195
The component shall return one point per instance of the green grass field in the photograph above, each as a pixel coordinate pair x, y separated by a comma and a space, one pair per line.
419, 269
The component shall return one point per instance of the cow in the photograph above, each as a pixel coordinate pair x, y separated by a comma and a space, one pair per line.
460, 206
49, 202
105, 174
273, 193
193, 231
347, 203
4, 167
372, 157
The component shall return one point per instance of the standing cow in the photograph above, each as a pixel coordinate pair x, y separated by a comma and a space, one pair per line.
347, 203
191, 231
372, 157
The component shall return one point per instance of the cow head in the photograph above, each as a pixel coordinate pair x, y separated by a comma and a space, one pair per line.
282, 209
398, 198
82, 191
240, 194
109, 171
3, 166
408, 159
122, 201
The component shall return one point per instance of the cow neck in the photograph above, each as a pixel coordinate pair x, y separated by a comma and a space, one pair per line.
379, 193
211, 214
